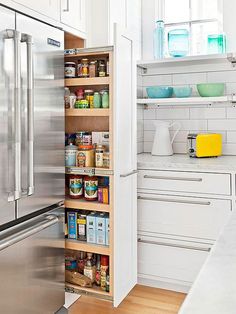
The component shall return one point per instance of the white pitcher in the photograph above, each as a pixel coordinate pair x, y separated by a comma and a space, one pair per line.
162, 144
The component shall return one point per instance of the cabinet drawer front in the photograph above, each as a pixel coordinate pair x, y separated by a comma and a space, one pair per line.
169, 262
206, 183
182, 216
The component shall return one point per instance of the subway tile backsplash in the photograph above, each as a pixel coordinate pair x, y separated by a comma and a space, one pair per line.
219, 118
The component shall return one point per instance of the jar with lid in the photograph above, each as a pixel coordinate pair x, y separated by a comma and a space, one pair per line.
92, 68
88, 94
69, 69
90, 188
70, 155
105, 99
85, 67
99, 156
101, 69
79, 69
97, 100
85, 156
106, 160
67, 98
75, 186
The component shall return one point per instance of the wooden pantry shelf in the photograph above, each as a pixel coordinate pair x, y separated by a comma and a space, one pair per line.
97, 291
187, 100
87, 81
87, 112
87, 247
86, 205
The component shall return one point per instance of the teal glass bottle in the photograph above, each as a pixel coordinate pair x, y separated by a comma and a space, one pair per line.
159, 40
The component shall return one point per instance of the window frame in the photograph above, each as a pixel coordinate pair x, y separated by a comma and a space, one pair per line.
160, 13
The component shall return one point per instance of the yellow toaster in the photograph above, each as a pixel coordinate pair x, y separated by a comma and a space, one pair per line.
205, 145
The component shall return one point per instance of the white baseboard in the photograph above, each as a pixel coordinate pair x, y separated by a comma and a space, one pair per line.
165, 283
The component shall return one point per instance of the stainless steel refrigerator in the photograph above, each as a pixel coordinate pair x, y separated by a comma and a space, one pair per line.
31, 165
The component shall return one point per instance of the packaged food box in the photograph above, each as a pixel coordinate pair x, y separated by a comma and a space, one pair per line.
101, 229
72, 225
81, 226
91, 228
101, 138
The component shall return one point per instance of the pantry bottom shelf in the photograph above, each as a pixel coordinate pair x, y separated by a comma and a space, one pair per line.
96, 291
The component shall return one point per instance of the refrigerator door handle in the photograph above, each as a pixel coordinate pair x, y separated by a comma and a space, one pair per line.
16, 36
15, 238
30, 112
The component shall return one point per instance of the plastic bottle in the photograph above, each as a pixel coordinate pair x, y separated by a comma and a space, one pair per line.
159, 40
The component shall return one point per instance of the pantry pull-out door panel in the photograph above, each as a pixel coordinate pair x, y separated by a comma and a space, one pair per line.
125, 178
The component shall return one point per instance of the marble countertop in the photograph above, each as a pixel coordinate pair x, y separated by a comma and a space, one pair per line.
214, 291
184, 162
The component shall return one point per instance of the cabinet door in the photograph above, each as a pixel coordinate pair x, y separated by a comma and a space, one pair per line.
46, 7
73, 14
125, 193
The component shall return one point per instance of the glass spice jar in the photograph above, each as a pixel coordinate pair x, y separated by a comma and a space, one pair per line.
102, 69
79, 69
85, 67
99, 156
92, 68
106, 160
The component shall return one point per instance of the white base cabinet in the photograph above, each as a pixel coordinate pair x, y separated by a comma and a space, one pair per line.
180, 215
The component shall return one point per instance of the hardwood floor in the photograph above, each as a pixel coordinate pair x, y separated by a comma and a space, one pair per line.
141, 300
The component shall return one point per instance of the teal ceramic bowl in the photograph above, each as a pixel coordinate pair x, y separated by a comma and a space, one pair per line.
211, 89
182, 92
159, 92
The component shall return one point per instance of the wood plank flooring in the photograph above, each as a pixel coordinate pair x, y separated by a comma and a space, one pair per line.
141, 300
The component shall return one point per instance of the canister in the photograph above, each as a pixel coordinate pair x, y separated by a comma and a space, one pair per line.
70, 155
85, 156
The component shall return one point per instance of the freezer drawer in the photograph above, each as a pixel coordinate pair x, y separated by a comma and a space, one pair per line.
32, 266
182, 216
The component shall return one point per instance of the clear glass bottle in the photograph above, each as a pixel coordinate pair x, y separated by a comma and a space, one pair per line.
159, 40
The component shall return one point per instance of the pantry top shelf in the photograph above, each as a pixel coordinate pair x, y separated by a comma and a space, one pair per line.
188, 100
200, 59
87, 81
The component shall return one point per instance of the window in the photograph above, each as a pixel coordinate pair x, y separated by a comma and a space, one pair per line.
200, 17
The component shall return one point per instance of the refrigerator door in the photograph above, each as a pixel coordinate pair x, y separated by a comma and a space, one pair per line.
7, 138
42, 87
32, 266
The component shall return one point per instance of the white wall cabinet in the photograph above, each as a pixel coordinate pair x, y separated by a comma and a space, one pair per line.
50, 8
102, 16
73, 14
